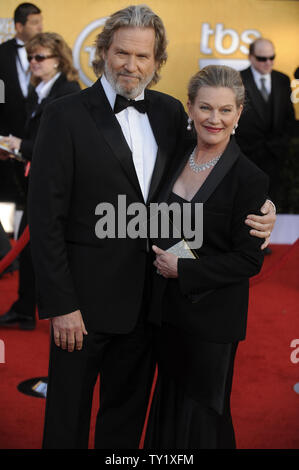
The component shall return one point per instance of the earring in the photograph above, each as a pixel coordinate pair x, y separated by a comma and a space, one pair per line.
189, 127
234, 129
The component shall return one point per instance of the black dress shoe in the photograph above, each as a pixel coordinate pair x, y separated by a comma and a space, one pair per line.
27, 324
12, 318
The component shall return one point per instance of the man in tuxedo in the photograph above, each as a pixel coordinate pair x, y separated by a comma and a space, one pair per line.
116, 138
14, 71
267, 121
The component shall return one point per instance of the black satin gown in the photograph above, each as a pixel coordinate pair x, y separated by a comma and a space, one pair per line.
191, 404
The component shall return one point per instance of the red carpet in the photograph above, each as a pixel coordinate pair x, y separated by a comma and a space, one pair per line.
264, 405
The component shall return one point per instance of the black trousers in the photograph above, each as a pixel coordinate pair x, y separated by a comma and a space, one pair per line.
26, 302
126, 367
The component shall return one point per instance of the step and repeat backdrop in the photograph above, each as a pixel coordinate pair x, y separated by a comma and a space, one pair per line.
200, 32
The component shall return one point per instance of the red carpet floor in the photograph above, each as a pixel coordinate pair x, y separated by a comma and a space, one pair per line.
265, 406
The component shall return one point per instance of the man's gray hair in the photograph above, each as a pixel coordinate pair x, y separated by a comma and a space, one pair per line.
135, 16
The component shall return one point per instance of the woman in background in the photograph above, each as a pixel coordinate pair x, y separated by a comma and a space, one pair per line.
53, 76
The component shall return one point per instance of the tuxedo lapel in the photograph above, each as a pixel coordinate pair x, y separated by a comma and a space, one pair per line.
11, 63
157, 173
108, 126
160, 133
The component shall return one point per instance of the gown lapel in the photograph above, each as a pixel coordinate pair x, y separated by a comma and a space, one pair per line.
227, 160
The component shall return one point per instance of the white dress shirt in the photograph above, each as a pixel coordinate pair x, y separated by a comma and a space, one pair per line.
139, 136
23, 68
43, 88
257, 78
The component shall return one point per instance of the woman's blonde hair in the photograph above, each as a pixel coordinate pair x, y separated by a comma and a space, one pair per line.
217, 76
59, 49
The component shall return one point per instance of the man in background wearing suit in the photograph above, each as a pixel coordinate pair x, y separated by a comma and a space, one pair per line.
14, 71
267, 121
116, 138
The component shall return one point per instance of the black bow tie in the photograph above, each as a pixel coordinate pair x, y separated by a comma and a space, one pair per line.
122, 103
19, 45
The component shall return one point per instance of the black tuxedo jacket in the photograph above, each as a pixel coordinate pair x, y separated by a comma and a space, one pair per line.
12, 121
60, 88
81, 159
210, 296
256, 138
13, 111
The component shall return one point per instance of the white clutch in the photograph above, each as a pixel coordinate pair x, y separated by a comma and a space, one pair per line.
181, 250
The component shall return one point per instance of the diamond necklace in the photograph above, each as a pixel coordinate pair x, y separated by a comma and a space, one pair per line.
204, 166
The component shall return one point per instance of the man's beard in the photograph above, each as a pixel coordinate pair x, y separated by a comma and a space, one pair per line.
120, 90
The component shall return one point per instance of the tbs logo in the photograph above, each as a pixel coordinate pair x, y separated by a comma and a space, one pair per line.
227, 41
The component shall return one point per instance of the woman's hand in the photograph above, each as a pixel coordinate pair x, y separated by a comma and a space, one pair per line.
14, 143
166, 263
263, 225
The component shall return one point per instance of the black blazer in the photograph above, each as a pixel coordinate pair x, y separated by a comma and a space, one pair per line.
13, 111
256, 139
12, 121
81, 159
210, 296
61, 87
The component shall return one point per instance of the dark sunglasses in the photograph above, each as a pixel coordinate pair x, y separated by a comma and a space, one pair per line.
39, 57
264, 59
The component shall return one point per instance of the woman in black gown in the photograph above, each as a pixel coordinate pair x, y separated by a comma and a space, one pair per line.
200, 303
